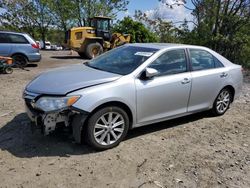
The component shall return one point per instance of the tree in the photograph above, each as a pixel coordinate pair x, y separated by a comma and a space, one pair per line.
222, 25
139, 33
37, 17
29, 16
86, 9
164, 30
16, 16
63, 12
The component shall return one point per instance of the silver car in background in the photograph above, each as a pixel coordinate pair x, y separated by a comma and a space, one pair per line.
132, 86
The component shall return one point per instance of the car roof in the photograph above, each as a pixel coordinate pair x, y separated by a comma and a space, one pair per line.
12, 32
161, 46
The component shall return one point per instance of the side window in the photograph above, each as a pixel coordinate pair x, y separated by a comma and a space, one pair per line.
3, 38
201, 60
171, 62
78, 35
17, 39
217, 63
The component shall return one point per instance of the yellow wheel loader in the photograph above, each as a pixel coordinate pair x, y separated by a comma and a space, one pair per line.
93, 40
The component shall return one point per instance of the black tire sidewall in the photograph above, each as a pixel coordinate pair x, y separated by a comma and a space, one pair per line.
90, 47
24, 63
91, 124
8, 70
214, 110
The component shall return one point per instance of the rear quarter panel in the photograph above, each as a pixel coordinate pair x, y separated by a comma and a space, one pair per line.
236, 79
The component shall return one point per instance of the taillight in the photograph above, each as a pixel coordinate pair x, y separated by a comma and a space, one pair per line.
35, 45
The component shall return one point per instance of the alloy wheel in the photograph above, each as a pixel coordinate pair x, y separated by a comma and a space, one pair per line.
109, 128
223, 101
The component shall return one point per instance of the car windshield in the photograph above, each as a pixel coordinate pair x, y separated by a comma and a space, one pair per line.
122, 60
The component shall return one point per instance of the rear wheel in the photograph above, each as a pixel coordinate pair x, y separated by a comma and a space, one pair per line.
222, 102
20, 60
107, 128
93, 50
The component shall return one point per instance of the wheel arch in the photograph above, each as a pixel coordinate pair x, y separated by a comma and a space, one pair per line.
231, 89
117, 104
20, 53
88, 41
79, 129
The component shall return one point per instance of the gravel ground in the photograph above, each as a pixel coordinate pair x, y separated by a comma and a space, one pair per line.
194, 151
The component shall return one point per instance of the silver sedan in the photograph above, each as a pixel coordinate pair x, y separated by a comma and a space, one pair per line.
132, 86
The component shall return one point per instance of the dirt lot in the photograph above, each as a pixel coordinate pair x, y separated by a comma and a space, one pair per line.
195, 151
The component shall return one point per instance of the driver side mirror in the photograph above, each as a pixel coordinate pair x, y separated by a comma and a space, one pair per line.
149, 73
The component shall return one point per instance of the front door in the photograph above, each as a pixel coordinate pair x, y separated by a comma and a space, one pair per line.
166, 94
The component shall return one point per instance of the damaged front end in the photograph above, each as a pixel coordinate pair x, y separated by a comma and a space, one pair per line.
49, 112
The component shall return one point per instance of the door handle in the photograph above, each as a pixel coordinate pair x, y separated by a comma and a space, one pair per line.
223, 75
185, 81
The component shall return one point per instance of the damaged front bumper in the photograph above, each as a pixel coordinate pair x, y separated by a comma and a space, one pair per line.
47, 122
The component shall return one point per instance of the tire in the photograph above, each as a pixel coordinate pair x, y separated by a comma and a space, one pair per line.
8, 70
93, 50
222, 102
20, 60
82, 55
105, 135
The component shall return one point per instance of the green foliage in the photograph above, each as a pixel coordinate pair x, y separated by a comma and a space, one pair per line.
84, 9
164, 30
139, 33
223, 26
41, 17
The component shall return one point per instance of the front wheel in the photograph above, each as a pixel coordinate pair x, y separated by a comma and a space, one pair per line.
107, 128
222, 102
8, 70
93, 50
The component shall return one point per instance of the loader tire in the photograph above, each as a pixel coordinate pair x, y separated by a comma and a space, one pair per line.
93, 50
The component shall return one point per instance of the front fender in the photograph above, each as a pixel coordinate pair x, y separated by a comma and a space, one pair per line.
122, 90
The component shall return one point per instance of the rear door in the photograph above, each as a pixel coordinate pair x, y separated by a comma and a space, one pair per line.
208, 78
5, 46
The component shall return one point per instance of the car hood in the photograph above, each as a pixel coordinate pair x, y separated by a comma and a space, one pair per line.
61, 81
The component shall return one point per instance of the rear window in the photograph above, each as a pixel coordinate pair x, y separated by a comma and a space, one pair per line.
203, 60
17, 39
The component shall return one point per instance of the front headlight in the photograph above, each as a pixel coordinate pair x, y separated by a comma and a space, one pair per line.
48, 104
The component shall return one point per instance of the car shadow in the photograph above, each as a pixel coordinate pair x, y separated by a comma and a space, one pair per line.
32, 65
17, 138
66, 57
